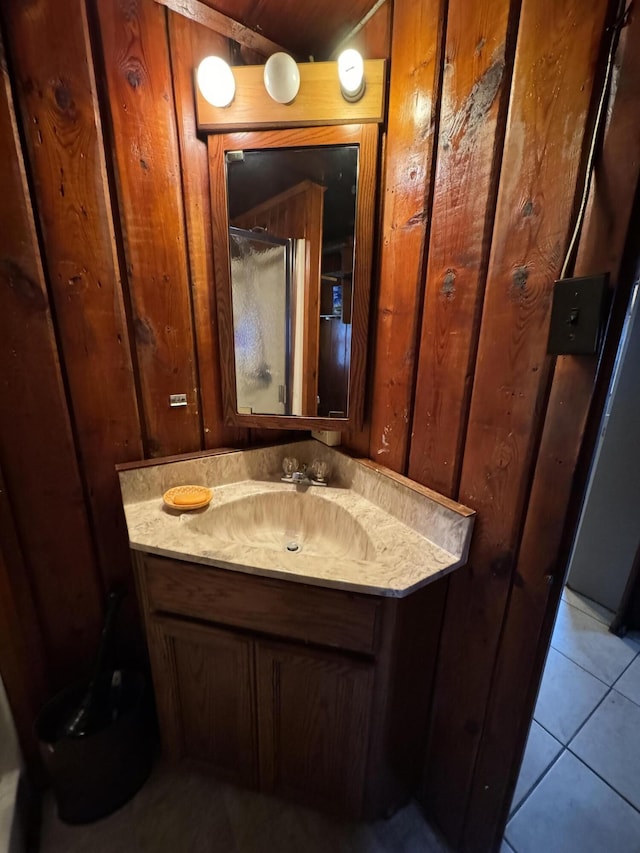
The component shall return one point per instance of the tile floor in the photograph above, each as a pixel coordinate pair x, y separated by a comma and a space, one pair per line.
579, 785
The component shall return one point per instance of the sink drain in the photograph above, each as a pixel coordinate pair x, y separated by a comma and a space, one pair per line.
293, 547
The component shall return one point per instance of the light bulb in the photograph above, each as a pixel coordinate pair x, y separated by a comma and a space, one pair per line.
216, 81
351, 74
281, 77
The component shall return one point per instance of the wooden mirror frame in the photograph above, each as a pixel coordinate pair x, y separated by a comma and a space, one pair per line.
366, 137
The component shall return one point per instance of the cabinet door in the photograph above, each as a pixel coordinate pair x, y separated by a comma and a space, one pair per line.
204, 680
313, 724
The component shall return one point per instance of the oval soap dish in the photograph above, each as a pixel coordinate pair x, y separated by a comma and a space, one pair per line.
188, 497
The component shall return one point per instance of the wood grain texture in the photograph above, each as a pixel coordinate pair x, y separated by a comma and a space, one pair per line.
359, 440
190, 43
342, 731
556, 488
303, 28
313, 725
415, 72
138, 76
366, 137
54, 68
373, 40
319, 101
553, 75
222, 25
37, 452
405, 666
21, 647
308, 613
333, 363
475, 89
214, 674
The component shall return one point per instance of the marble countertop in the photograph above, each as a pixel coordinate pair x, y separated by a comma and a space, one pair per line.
368, 532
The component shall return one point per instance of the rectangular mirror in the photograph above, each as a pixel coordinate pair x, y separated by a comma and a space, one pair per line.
293, 219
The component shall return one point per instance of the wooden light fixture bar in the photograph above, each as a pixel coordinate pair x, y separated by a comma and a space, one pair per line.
319, 101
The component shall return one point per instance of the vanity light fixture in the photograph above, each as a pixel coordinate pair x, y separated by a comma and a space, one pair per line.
283, 94
351, 74
281, 77
216, 81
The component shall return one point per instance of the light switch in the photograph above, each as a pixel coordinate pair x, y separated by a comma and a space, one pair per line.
577, 315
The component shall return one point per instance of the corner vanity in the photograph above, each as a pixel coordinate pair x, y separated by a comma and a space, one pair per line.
292, 629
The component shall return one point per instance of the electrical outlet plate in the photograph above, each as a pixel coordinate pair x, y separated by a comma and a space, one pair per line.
577, 315
177, 401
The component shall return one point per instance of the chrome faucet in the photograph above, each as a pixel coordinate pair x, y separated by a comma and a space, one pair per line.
303, 475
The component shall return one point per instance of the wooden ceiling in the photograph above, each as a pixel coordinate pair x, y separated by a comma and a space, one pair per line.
306, 29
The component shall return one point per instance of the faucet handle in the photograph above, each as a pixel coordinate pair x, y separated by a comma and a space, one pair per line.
289, 466
319, 470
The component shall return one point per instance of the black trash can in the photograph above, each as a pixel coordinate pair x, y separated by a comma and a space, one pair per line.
94, 775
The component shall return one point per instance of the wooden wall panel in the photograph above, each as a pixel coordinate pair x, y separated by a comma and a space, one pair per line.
553, 74
37, 452
138, 75
254, 47
415, 55
190, 43
374, 42
21, 646
53, 62
475, 89
486, 680
542, 561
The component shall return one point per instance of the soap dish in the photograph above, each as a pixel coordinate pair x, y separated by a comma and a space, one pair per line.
188, 497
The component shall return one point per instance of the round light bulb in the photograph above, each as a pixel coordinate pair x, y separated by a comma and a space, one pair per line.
216, 81
281, 77
351, 74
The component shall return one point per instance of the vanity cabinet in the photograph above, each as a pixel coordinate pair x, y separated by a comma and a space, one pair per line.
311, 693
206, 676
313, 724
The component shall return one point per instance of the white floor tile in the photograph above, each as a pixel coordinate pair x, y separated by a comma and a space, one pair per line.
540, 752
567, 696
588, 643
588, 606
573, 811
610, 744
629, 682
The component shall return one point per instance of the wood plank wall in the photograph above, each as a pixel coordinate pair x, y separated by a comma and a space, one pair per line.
42, 477
55, 75
510, 384
107, 299
516, 94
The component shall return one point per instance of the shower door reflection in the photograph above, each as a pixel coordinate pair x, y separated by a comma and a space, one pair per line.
261, 292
